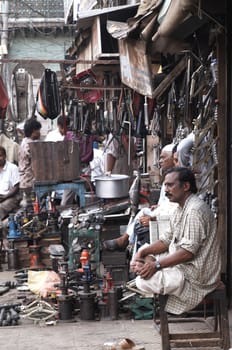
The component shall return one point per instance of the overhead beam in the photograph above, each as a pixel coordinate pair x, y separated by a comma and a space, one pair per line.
34, 60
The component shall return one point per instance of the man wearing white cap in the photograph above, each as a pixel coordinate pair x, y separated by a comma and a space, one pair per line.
145, 214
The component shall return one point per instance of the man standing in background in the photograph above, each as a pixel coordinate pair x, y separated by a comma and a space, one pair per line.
31, 132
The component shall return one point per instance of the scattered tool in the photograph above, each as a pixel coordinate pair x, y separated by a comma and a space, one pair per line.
39, 311
9, 314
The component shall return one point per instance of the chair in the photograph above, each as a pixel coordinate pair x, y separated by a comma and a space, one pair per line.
217, 336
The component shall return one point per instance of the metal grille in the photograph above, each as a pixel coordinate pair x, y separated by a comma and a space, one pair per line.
36, 9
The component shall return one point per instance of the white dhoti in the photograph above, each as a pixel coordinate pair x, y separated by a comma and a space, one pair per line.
169, 280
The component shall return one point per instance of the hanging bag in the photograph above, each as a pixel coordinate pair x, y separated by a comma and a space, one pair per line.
48, 96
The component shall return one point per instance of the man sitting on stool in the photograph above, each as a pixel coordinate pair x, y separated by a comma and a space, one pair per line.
185, 262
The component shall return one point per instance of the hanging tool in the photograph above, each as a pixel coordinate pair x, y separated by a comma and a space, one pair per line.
85, 121
187, 116
146, 114
194, 79
121, 108
139, 124
171, 109
81, 117
134, 195
129, 144
106, 111
75, 114
129, 111
155, 123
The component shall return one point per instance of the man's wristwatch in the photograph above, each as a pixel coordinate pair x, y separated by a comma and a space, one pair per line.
157, 265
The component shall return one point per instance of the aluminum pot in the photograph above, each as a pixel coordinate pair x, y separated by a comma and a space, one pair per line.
113, 186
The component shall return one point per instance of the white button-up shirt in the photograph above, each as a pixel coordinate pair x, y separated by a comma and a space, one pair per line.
9, 177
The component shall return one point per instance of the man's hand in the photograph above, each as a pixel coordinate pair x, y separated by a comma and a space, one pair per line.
136, 265
147, 270
144, 220
138, 262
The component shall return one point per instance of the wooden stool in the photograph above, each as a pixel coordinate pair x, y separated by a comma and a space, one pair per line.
218, 336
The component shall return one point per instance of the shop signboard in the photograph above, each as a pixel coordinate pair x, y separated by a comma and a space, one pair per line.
135, 65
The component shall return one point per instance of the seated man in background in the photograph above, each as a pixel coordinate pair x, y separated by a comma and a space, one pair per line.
146, 214
9, 185
185, 263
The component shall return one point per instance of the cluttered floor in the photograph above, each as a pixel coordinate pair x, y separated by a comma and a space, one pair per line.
94, 304
26, 325
24, 331
73, 334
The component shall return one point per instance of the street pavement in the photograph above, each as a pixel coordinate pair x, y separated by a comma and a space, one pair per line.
105, 334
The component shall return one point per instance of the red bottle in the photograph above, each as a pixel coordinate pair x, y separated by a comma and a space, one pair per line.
36, 206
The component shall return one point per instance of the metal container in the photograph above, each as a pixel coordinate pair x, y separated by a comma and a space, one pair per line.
54, 162
114, 186
13, 259
90, 198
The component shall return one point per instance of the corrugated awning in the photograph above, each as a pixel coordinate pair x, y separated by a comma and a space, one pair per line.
157, 27
159, 21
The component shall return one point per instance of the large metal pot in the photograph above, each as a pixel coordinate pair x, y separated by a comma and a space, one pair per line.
113, 186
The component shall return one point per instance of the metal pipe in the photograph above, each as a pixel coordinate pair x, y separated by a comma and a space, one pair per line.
146, 117
129, 146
